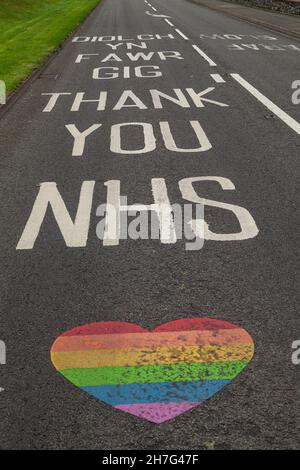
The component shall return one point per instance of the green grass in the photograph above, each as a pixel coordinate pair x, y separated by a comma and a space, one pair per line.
31, 29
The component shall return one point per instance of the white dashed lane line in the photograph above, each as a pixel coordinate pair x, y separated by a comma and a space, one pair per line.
169, 22
217, 78
181, 34
202, 53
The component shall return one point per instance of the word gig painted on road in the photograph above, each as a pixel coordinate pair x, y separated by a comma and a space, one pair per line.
129, 59
157, 374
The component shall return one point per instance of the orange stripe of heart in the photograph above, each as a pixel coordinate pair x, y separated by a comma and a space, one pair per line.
144, 356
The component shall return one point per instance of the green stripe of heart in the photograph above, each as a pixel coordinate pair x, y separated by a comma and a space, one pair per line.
154, 373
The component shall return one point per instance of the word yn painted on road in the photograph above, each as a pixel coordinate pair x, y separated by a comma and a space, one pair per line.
157, 374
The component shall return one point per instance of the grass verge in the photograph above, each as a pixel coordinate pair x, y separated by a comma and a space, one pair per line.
31, 29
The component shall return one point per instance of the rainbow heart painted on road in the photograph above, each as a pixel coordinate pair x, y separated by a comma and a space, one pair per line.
156, 374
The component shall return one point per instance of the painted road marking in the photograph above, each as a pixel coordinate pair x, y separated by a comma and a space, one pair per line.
156, 16
217, 78
75, 234
181, 34
288, 120
169, 22
153, 8
202, 53
184, 98
157, 374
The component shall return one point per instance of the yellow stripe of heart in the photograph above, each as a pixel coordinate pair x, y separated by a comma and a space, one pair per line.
146, 356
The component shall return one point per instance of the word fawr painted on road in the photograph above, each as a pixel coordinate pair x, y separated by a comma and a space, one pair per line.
156, 374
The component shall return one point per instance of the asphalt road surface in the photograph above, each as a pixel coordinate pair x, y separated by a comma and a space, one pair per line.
227, 116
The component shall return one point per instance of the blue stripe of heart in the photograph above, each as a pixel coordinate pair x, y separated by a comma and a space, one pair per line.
160, 392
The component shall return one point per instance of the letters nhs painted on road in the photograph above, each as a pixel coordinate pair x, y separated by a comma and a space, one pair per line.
75, 234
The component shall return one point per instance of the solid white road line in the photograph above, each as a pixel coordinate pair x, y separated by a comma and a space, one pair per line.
169, 22
288, 120
153, 8
217, 78
181, 34
208, 59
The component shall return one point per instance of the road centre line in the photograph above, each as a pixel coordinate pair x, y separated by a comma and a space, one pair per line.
217, 78
169, 22
288, 120
202, 53
181, 34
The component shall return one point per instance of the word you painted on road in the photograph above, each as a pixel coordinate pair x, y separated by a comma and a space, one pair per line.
75, 234
153, 374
